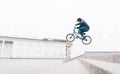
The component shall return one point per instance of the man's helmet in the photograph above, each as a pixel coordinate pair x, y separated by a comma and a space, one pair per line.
79, 19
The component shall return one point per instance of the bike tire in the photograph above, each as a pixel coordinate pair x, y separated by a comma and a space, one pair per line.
70, 37
86, 40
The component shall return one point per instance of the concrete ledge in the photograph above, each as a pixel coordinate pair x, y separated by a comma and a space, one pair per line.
38, 39
100, 67
113, 57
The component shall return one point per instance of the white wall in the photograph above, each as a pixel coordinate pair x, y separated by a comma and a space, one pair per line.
32, 48
39, 49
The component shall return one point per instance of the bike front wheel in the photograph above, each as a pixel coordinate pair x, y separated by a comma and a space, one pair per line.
70, 37
86, 40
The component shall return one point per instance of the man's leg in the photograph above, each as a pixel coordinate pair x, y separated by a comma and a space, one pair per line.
82, 30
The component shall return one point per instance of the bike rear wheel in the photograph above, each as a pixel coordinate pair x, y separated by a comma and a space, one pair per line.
86, 40
70, 37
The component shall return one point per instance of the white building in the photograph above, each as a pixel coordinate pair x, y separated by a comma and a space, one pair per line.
15, 47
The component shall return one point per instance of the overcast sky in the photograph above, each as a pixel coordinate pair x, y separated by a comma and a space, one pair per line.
56, 18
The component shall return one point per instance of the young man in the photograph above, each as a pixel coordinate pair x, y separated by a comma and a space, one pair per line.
82, 26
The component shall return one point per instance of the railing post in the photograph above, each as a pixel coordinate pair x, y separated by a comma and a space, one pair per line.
68, 50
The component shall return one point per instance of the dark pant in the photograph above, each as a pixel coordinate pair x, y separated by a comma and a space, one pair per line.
81, 30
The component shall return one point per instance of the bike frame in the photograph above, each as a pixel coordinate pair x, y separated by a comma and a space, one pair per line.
75, 33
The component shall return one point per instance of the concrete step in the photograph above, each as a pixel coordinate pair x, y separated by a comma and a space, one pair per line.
113, 57
100, 67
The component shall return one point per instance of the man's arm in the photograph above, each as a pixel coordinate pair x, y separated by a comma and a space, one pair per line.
77, 24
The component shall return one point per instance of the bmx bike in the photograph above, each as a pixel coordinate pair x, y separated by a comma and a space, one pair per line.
86, 39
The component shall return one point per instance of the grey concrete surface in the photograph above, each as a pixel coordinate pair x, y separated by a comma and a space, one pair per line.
100, 67
113, 57
41, 66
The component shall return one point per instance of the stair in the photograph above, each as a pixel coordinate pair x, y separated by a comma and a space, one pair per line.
100, 67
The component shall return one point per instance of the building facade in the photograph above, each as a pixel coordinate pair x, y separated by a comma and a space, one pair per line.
15, 47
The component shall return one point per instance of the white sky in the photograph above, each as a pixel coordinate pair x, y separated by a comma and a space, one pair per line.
56, 18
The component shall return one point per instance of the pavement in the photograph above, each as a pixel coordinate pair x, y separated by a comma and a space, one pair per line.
101, 67
41, 66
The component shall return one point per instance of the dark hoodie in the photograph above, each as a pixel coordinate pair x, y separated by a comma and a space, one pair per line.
82, 23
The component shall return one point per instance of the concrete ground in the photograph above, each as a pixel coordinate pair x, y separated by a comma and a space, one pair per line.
100, 67
41, 66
